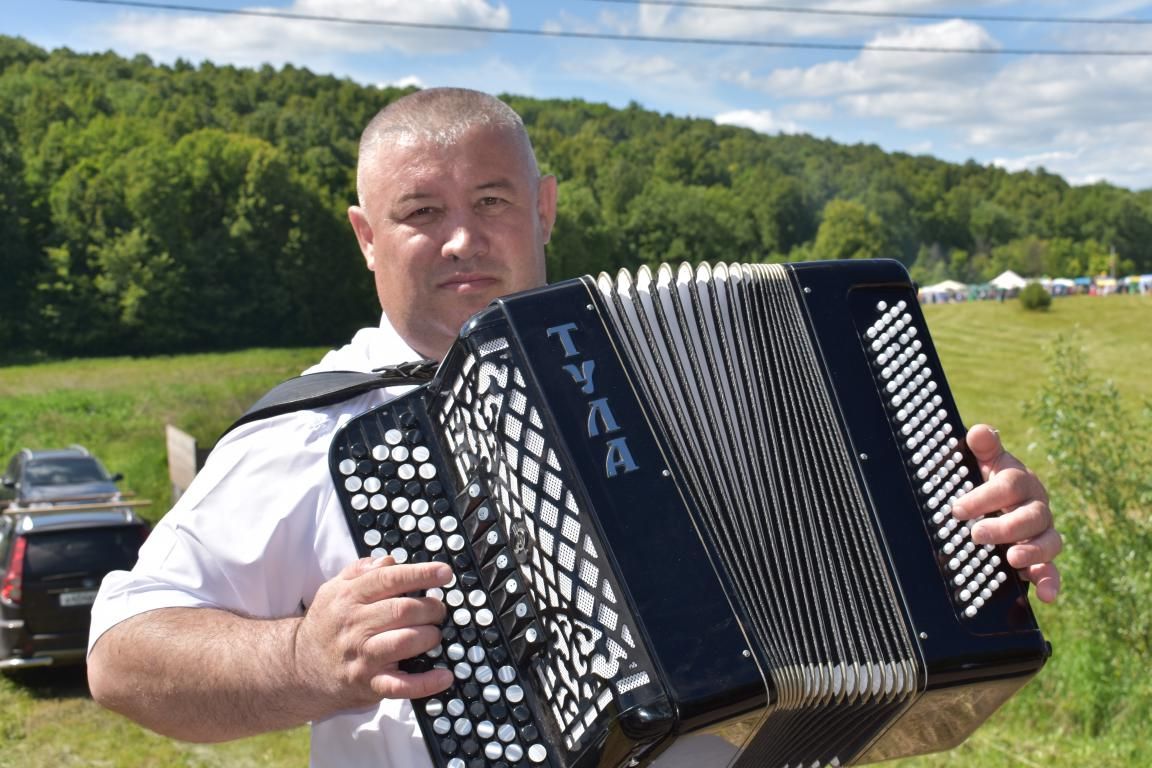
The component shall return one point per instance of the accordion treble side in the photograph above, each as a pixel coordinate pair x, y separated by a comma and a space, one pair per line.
691, 503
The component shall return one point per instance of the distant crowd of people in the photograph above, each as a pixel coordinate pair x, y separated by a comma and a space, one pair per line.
952, 291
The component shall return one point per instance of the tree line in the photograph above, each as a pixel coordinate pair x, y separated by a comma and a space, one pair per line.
150, 208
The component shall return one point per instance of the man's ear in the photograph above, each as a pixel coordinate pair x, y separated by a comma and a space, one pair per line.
546, 205
359, 219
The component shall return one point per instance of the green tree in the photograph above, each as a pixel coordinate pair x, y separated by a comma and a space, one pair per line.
851, 231
782, 216
19, 227
674, 222
992, 224
581, 243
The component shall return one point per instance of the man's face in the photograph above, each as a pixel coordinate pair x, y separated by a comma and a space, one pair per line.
448, 229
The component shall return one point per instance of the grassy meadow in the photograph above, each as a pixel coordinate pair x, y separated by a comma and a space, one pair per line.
995, 355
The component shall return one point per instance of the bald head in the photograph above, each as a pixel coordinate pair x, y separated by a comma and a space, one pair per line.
439, 116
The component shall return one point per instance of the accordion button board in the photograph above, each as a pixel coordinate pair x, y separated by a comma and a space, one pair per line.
402, 511
931, 442
694, 500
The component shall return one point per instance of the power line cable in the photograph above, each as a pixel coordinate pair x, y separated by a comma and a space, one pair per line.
1008, 19
856, 47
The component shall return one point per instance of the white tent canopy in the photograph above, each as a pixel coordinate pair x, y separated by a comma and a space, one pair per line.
948, 286
1008, 280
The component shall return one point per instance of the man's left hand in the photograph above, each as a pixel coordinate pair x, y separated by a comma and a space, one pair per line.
1026, 520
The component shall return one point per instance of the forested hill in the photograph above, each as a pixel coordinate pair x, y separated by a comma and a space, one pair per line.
148, 208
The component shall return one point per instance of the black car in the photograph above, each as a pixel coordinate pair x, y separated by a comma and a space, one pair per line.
63, 529
51, 563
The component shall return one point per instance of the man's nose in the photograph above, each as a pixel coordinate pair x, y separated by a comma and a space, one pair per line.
466, 239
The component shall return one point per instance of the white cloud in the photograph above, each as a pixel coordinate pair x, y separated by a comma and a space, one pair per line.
408, 81
763, 121
619, 67
250, 39
1024, 107
884, 72
808, 22
1046, 160
954, 33
1119, 153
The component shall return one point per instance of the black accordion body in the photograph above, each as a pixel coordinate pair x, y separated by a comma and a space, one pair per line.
697, 500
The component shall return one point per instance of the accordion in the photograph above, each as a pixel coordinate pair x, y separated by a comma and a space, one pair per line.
702, 504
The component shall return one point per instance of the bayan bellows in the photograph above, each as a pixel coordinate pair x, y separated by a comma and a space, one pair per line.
696, 510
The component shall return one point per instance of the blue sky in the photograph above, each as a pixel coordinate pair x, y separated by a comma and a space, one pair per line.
1086, 117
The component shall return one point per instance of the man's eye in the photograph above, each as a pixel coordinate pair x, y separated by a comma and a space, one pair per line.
421, 213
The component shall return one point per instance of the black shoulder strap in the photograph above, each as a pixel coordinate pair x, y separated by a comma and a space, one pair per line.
313, 390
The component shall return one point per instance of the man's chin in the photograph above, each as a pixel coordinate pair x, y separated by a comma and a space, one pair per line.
471, 309
472, 303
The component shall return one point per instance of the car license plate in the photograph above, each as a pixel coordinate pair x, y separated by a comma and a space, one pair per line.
87, 597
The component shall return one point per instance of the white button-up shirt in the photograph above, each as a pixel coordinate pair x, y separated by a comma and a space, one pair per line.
259, 530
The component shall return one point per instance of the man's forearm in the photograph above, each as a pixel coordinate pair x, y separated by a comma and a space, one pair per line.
202, 674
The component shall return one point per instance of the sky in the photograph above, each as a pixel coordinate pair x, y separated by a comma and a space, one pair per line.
1034, 90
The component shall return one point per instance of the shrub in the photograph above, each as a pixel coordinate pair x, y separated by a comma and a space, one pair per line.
1033, 296
1100, 479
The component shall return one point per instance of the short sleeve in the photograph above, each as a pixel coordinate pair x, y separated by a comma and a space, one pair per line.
256, 533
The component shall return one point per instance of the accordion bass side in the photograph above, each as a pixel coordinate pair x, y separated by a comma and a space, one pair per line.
694, 506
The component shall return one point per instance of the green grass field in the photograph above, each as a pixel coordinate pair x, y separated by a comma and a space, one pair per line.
995, 358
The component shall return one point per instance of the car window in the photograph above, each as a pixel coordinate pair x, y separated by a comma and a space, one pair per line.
64, 471
84, 549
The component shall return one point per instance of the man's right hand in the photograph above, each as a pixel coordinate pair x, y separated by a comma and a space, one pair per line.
362, 623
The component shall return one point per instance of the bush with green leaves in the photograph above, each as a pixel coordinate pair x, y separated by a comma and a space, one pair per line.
1033, 296
1099, 474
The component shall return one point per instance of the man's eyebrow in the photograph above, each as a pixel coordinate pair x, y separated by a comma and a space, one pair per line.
408, 197
497, 184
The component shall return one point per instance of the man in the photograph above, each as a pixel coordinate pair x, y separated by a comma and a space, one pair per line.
248, 610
